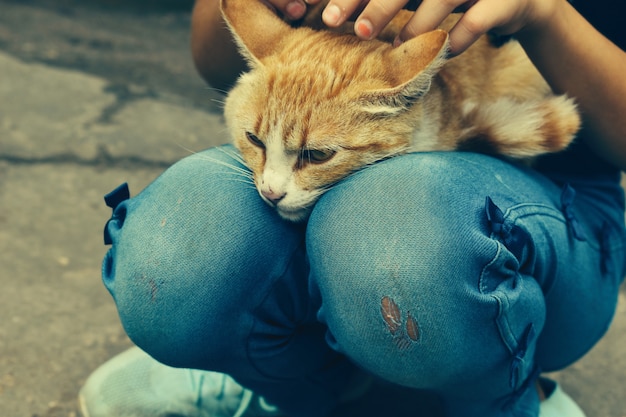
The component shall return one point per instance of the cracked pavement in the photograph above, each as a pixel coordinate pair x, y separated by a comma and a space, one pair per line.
94, 93
90, 96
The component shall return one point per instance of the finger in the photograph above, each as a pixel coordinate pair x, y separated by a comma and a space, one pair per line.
427, 17
482, 17
376, 15
292, 9
338, 11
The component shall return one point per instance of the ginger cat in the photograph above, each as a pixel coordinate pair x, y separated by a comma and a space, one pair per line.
318, 105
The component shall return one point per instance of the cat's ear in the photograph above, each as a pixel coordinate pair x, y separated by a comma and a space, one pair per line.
256, 28
409, 68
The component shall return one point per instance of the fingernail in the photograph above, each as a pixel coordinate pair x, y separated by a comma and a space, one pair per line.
364, 28
295, 9
331, 14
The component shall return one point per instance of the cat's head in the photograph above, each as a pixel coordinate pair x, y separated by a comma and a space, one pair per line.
317, 106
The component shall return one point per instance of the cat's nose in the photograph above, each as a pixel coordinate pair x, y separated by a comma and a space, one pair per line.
273, 196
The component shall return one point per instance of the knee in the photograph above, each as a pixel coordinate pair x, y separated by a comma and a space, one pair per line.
400, 219
184, 259
413, 286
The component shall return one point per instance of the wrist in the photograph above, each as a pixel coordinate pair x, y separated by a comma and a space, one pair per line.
541, 17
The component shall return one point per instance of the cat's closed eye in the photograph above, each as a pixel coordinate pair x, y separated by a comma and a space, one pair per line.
317, 156
255, 140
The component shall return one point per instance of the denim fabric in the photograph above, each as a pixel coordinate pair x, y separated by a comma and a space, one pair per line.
450, 272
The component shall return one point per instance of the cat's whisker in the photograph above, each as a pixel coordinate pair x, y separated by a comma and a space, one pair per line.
234, 169
217, 90
244, 170
244, 174
219, 102
224, 130
236, 173
191, 151
232, 155
241, 175
250, 183
236, 157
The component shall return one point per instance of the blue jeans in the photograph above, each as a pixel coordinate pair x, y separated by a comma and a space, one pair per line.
456, 273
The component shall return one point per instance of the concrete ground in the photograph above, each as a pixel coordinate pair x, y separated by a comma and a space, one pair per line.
94, 93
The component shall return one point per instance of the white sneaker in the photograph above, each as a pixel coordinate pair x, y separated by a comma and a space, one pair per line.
133, 384
557, 402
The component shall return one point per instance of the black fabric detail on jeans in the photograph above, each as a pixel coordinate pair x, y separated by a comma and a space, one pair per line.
567, 206
515, 239
514, 398
495, 216
113, 199
605, 247
520, 354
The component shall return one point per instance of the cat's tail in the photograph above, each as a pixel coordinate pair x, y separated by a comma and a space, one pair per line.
520, 129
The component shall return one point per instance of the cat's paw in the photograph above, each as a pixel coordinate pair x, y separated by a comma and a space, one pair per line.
520, 129
561, 122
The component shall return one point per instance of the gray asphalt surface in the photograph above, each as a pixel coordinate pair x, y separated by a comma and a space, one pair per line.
94, 93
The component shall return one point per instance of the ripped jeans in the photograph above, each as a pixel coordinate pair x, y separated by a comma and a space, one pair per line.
456, 273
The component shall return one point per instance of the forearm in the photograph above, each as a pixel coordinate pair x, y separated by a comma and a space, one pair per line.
576, 59
213, 50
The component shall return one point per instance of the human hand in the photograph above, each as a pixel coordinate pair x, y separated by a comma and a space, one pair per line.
480, 17
292, 9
